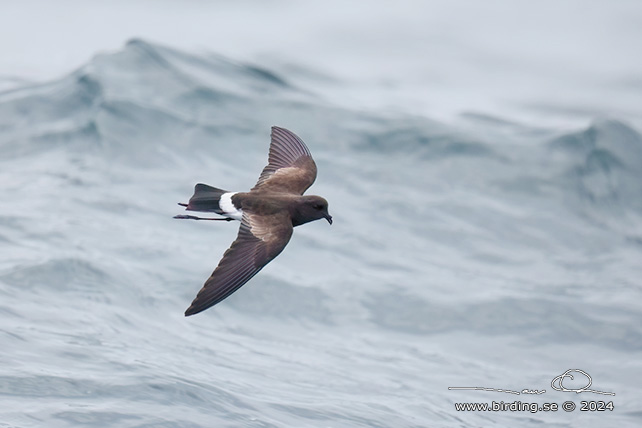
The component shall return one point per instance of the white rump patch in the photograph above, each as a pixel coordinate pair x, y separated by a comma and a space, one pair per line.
228, 208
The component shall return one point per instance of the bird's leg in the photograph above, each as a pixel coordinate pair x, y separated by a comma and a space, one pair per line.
193, 217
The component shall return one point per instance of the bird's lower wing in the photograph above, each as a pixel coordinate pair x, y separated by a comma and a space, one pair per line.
260, 239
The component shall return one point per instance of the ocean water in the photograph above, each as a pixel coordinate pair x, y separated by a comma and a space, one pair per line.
484, 252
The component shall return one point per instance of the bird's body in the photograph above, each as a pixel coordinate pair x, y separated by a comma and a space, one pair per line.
268, 213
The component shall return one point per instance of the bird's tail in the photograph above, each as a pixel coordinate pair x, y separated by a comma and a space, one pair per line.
206, 199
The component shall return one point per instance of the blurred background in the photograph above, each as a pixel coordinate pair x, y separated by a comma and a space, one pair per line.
483, 164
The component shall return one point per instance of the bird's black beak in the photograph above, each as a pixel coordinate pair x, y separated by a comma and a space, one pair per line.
328, 217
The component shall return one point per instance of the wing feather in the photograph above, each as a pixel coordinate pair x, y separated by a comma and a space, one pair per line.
248, 254
290, 167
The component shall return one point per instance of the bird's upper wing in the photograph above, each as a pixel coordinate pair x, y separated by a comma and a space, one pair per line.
260, 239
290, 167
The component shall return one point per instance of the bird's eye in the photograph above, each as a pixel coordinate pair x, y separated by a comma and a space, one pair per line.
318, 206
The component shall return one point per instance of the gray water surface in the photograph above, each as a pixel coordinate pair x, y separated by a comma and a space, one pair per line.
486, 253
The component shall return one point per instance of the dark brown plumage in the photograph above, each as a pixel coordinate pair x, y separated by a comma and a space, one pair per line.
268, 214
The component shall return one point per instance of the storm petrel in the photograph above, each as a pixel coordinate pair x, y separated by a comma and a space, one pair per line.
268, 213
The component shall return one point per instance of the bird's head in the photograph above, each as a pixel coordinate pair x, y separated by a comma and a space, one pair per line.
311, 208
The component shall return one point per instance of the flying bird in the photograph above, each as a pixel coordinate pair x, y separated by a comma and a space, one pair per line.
268, 213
